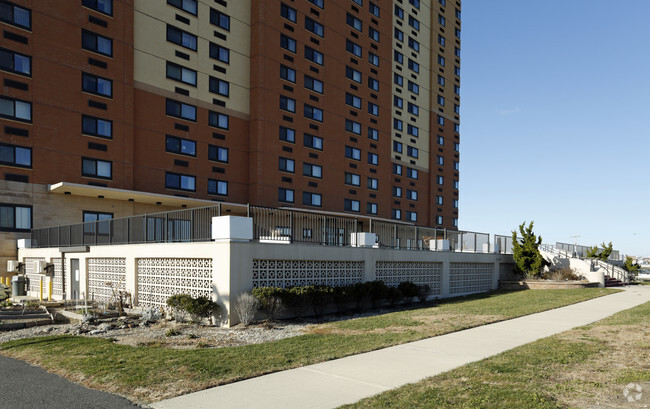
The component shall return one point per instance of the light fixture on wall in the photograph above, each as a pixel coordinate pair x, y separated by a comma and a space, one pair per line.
131, 200
158, 203
67, 193
100, 197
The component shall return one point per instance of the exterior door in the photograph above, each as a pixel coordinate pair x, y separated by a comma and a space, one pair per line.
74, 278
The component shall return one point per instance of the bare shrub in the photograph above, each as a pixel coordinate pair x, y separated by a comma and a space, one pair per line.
246, 306
563, 274
423, 292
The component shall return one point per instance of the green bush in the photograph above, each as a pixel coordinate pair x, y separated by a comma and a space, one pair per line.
198, 308
271, 300
423, 292
378, 292
394, 296
408, 289
342, 298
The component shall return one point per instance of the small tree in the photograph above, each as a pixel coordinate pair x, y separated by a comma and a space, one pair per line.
528, 260
631, 267
595, 252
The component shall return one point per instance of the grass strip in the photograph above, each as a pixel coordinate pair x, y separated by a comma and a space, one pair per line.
153, 372
588, 366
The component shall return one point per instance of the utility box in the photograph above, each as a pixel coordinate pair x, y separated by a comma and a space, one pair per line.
13, 265
232, 228
43, 267
363, 239
24, 243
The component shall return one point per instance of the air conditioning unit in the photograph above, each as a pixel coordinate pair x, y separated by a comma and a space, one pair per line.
13, 265
42, 267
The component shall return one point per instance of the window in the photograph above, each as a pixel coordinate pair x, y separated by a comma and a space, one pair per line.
98, 44
412, 173
397, 169
397, 191
373, 109
287, 43
457, 33
217, 187
180, 146
219, 86
457, 51
413, 109
398, 147
441, 40
313, 113
398, 79
438, 220
353, 48
287, 104
354, 22
288, 12
398, 124
180, 182
413, 130
17, 63
314, 27
412, 216
313, 84
441, 120
287, 134
182, 38
373, 84
441, 80
373, 34
371, 208
456, 184
458, 14
13, 217
373, 158
412, 194
13, 155
457, 128
374, 9
219, 53
373, 184
456, 165
317, 3
311, 199
285, 195
439, 200
352, 153
15, 109
93, 219
181, 74
96, 127
441, 60
414, 66
314, 142
441, 100
220, 19
15, 15
397, 214
456, 147
440, 161
413, 22
353, 100
415, 3
399, 12
353, 74
180, 110
352, 179
442, 2
351, 205
218, 153
454, 221
96, 85
314, 56
287, 165
398, 34
454, 203
440, 180
185, 5
373, 134
414, 44
287, 73
441, 140
412, 152
457, 90
413, 87
359, 2
218, 120
457, 71
96, 168
352, 126
441, 20
457, 109
398, 57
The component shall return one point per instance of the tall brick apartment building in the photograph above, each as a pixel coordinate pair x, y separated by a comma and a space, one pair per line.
117, 107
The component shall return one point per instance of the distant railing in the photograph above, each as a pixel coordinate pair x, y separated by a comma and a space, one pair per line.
269, 225
581, 251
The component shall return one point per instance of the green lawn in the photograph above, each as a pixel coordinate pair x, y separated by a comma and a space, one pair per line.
151, 373
585, 367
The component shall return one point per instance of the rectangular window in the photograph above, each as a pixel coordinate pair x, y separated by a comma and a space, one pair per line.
186, 5
399, 12
398, 34
352, 179
96, 43
412, 173
441, 100
412, 216
217, 187
92, 218
353, 48
454, 203
311, 199
313, 142
180, 146
441, 20
352, 153
397, 169
441, 60
317, 3
219, 86
441, 120
411, 194
441, 140
373, 59
415, 67
413, 22
219, 53
397, 214
288, 12
456, 147
413, 87
440, 160
441, 40
350, 205
287, 74
397, 191
313, 113
398, 57
438, 220
414, 44
285, 195
97, 85
182, 38
309, 169
14, 62
457, 90
314, 27
287, 134
353, 22
456, 165
352, 126
180, 110
102, 128
398, 124
398, 79
353, 74
96, 168
218, 153
14, 155
457, 109
313, 84
287, 43
456, 184
454, 221
287, 165
373, 34
374, 9
413, 130
457, 71
398, 147
353, 100
181, 74
457, 51
439, 200
441, 80
457, 128
218, 120
415, 3
412, 152
313, 55
413, 109
15, 218
440, 180
371, 208
373, 109
15, 15
373, 84
219, 19
373, 134
15, 109
373, 184
457, 33
373, 158
180, 182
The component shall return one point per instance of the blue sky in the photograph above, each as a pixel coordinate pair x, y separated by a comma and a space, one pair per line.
555, 120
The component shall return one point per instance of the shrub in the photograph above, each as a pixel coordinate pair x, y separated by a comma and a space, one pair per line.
198, 308
394, 296
423, 292
246, 307
270, 300
320, 297
378, 292
563, 274
360, 293
341, 297
409, 290
172, 332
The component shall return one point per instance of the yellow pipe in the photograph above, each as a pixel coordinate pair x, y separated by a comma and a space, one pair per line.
41, 289
49, 294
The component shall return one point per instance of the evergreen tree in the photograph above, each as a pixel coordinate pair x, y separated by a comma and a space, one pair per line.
631, 267
528, 260
595, 252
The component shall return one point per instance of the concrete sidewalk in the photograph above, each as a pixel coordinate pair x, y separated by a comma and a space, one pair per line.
347, 380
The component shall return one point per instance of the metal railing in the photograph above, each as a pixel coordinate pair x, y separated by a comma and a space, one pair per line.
269, 225
581, 251
502, 244
613, 271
